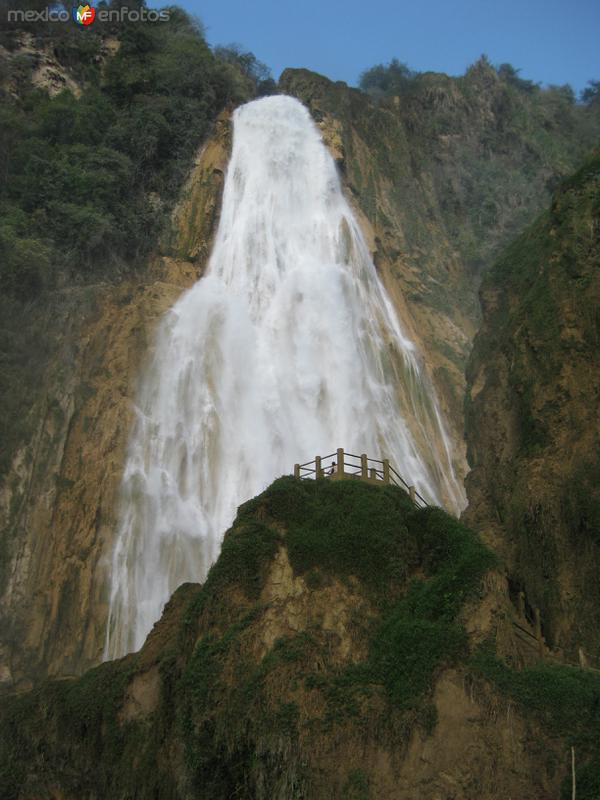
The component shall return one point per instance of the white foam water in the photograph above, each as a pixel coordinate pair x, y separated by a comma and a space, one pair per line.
287, 348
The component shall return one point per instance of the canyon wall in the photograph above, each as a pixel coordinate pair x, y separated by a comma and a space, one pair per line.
345, 644
445, 175
417, 170
60, 502
533, 414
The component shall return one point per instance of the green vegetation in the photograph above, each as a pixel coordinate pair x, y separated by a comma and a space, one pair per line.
386, 80
548, 263
248, 66
380, 540
87, 180
369, 541
419, 633
539, 350
243, 558
24, 350
357, 786
374, 546
566, 700
591, 93
397, 78
84, 713
581, 504
236, 720
213, 709
510, 75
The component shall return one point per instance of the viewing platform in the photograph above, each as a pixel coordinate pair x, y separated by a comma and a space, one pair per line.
349, 466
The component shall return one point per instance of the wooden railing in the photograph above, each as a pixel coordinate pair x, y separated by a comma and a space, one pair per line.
536, 641
343, 466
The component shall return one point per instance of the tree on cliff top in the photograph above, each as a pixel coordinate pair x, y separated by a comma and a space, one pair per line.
386, 80
591, 93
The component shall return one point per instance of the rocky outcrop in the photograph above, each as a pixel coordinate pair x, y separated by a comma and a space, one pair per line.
196, 216
324, 657
533, 411
31, 61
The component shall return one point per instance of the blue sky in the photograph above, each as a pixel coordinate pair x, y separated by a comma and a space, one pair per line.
555, 41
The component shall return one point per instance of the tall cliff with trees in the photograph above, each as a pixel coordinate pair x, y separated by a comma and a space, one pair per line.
114, 144
99, 131
532, 414
345, 644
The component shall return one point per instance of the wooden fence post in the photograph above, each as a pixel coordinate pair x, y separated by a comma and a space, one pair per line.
318, 470
412, 494
386, 470
364, 466
373, 474
340, 461
296, 470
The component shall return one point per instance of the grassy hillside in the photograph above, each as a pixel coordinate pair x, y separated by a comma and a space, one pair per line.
226, 699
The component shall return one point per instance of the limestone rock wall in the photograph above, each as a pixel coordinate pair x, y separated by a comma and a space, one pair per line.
59, 505
533, 415
412, 168
444, 177
257, 685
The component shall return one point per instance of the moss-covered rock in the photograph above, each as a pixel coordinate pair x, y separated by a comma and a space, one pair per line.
327, 649
533, 407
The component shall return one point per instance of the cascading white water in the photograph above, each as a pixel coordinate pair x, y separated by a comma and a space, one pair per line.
287, 348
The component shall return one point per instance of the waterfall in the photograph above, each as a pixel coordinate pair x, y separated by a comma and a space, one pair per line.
288, 347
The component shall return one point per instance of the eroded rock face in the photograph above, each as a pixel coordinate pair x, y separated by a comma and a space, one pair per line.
59, 506
443, 177
533, 414
67, 496
400, 163
413, 256
264, 682
38, 61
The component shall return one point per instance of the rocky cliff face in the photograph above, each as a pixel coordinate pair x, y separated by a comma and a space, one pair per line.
60, 502
533, 412
418, 170
345, 644
445, 175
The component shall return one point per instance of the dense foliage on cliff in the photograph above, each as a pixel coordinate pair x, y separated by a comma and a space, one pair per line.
397, 78
88, 174
86, 179
511, 142
387, 80
238, 722
567, 699
535, 372
217, 705
492, 144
